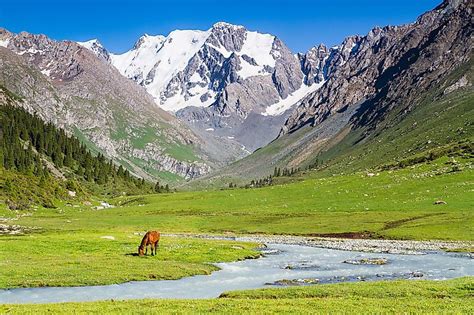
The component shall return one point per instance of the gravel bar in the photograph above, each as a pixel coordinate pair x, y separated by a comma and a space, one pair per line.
362, 245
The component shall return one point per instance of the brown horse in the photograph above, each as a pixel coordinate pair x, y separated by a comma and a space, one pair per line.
151, 238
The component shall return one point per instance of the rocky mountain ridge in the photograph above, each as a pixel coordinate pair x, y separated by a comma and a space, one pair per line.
223, 80
232, 90
390, 66
67, 84
375, 84
228, 84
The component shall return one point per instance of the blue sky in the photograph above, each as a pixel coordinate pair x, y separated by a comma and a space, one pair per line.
117, 24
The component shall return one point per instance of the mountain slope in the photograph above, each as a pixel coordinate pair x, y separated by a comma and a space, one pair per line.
40, 163
391, 64
400, 90
67, 84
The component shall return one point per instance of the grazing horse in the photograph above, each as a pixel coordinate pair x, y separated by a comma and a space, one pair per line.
151, 238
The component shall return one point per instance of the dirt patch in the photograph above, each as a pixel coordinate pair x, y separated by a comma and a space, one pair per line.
397, 223
350, 235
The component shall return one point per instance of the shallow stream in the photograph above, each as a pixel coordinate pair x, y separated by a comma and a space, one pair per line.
295, 264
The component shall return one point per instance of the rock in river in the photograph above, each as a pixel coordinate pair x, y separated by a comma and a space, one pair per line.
367, 261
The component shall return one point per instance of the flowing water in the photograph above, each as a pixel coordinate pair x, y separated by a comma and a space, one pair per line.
281, 262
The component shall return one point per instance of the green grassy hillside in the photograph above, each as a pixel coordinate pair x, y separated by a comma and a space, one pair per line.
394, 204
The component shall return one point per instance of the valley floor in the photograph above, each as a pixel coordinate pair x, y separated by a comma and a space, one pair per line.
78, 245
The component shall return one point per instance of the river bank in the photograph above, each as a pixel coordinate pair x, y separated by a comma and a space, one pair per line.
281, 265
349, 244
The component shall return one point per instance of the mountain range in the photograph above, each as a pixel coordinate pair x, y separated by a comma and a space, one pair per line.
226, 83
229, 102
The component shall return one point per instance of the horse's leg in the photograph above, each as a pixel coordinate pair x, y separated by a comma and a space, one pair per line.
146, 250
154, 248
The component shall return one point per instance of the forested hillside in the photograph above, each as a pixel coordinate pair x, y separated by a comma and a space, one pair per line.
41, 163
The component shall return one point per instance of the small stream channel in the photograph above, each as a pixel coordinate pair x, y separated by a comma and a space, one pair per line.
300, 264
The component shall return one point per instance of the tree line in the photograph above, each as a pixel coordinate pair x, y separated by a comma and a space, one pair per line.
25, 141
268, 180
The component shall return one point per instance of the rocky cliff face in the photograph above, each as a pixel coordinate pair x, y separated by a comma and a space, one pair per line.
67, 84
389, 67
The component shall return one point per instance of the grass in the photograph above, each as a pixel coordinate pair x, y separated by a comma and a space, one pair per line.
462, 250
144, 137
145, 133
452, 296
69, 249
456, 288
84, 258
430, 125
181, 152
20, 191
337, 204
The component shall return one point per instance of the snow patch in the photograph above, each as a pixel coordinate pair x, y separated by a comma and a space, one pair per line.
46, 72
90, 44
4, 43
195, 78
29, 51
177, 102
224, 52
248, 70
259, 47
284, 104
139, 60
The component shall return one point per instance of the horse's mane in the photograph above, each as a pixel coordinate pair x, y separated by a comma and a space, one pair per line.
144, 240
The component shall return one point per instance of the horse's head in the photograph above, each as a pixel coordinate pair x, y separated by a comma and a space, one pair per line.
141, 251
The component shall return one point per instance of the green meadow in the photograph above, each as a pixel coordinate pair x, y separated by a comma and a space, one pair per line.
387, 297
77, 245
87, 258
391, 204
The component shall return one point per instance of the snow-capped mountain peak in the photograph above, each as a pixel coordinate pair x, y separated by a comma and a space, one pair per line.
149, 40
96, 47
185, 68
90, 44
225, 25
215, 79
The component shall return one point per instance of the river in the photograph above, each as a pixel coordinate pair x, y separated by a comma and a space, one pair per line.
280, 262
